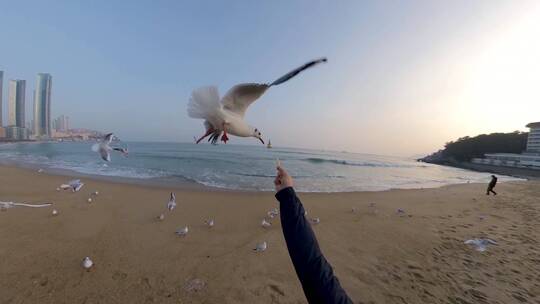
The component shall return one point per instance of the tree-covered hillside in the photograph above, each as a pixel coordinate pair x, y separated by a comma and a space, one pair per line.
466, 148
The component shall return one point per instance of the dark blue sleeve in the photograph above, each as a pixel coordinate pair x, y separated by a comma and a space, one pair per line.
315, 273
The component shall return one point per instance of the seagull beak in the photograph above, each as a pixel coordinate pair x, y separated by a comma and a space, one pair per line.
261, 140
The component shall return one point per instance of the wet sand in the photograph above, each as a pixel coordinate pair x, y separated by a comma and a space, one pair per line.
378, 255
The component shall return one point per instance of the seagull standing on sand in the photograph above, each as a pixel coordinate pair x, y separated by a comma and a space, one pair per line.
87, 263
260, 247
265, 224
75, 185
210, 223
124, 151
227, 116
172, 202
182, 231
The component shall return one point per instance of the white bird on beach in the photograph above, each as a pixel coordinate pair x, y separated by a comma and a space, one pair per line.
265, 224
172, 202
480, 244
227, 115
87, 263
75, 185
260, 247
182, 231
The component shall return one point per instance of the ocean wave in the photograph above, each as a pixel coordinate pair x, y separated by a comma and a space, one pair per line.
315, 160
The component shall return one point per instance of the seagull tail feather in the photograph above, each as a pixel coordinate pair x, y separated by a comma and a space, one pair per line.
204, 102
297, 71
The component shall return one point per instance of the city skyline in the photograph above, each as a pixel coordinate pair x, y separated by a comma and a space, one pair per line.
463, 63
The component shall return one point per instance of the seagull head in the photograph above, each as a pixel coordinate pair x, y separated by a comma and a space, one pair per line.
257, 134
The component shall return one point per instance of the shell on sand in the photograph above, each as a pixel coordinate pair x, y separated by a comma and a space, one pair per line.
161, 217
55, 212
89, 200
195, 285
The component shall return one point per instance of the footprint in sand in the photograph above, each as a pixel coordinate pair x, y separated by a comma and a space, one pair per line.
118, 275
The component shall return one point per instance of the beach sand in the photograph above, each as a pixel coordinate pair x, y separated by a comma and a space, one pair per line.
379, 256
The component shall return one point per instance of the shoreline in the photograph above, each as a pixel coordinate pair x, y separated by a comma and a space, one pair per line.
524, 173
378, 254
188, 185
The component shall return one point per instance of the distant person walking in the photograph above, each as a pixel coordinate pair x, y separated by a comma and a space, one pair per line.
313, 270
491, 185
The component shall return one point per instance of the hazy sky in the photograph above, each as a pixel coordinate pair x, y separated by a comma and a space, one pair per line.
403, 77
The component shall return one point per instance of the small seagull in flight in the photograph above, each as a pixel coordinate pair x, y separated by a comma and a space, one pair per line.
227, 115
104, 147
87, 263
124, 151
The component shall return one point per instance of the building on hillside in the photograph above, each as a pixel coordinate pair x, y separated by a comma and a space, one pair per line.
533, 140
530, 158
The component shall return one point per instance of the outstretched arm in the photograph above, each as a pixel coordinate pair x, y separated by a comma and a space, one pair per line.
314, 272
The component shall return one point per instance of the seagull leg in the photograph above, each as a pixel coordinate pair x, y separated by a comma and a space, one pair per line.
208, 132
224, 138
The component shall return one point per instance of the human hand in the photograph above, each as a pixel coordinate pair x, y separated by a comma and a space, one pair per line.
283, 179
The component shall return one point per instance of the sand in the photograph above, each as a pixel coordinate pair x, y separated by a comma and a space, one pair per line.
379, 256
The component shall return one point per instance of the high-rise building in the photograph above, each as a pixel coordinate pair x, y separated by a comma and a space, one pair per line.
533, 140
1, 94
17, 90
61, 124
42, 105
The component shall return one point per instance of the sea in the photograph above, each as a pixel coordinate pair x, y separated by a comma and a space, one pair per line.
238, 167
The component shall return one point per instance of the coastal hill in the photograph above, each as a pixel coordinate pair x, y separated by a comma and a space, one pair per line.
466, 148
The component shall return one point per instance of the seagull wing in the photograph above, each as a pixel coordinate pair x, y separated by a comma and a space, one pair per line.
105, 155
241, 96
108, 138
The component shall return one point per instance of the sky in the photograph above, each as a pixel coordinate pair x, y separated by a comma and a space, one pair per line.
402, 78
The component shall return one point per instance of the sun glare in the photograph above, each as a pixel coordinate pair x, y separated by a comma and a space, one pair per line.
502, 87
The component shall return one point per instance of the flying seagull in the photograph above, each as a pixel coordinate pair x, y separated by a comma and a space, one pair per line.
124, 151
227, 116
104, 147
